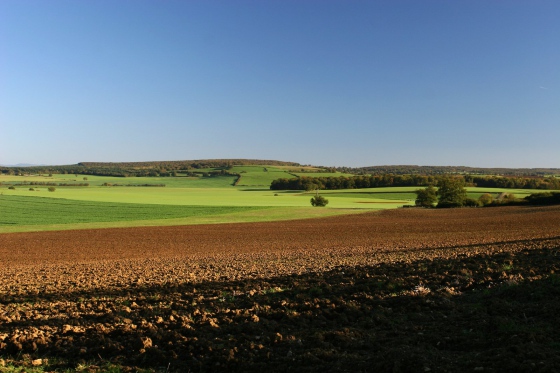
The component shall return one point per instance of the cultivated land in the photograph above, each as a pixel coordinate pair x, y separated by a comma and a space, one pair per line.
363, 286
127, 202
403, 290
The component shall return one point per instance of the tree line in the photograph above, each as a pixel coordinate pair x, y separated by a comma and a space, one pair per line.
451, 192
449, 170
392, 180
46, 183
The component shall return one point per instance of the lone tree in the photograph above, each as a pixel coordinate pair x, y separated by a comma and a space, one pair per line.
319, 201
426, 197
451, 192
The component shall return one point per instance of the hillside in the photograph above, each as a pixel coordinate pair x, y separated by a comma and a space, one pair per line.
166, 168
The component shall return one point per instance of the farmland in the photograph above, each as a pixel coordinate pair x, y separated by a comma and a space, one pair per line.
152, 201
393, 290
216, 272
108, 201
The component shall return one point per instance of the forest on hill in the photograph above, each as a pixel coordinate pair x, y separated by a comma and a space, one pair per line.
443, 170
133, 169
190, 167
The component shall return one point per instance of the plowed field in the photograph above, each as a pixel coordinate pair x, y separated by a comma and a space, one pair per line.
409, 290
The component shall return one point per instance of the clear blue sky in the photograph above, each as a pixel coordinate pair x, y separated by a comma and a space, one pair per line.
334, 83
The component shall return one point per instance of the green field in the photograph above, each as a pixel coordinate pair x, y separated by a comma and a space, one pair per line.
321, 174
92, 180
17, 210
183, 200
519, 193
259, 176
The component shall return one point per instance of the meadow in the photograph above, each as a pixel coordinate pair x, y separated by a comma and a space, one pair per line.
121, 202
182, 200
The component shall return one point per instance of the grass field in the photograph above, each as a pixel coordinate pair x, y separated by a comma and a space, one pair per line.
322, 174
259, 175
183, 200
24, 214
92, 180
17, 210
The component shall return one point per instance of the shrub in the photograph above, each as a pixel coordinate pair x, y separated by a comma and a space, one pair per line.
471, 202
52, 189
509, 198
319, 201
485, 199
549, 198
31, 189
12, 187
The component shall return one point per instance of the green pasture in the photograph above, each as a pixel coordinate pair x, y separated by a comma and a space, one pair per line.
475, 192
33, 213
93, 181
188, 196
298, 168
19, 210
259, 175
184, 200
322, 174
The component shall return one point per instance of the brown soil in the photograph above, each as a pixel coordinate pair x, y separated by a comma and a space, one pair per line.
397, 291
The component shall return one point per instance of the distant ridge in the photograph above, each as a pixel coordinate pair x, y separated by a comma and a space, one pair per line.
440, 170
151, 168
197, 163
22, 165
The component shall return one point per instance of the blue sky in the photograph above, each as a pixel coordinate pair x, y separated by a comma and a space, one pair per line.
334, 83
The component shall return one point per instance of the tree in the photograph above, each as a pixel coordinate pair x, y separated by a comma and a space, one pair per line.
451, 192
310, 186
485, 199
426, 197
319, 201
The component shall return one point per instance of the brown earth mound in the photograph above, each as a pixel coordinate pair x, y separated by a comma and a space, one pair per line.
402, 290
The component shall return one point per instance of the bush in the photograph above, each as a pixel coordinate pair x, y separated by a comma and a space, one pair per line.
319, 201
549, 198
12, 187
52, 189
471, 202
509, 198
31, 189
485, 199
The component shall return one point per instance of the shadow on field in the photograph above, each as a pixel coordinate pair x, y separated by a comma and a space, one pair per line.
498, 312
